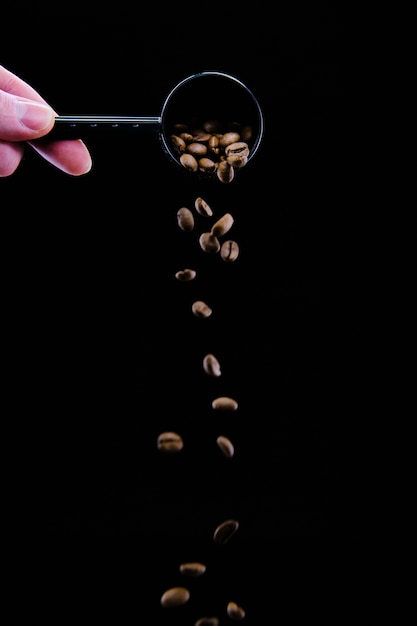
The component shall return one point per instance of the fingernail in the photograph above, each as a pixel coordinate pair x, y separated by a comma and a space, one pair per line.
34, 115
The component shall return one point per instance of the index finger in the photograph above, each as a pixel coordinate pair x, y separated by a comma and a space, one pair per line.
16, 86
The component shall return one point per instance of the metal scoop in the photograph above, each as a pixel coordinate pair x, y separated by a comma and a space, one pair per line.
199, 97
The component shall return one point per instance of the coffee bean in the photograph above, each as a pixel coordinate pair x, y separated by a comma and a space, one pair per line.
238, 147
189, 162
211, 365
199, 135
229, 250
209, 242
197, 149
170, 442
185, 275
225, 530
201, 309
206, 165
187, 137
180, 128
229, 138
185, 219
246, 133
192, 569
223, 403
202, 207
176, 596
225, 446
178, 143
207, 621
237, 161
225, 172
214, 145
234, 611
212, 126
223, 225
237, 154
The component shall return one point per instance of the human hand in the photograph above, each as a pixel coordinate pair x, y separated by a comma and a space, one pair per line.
25, 117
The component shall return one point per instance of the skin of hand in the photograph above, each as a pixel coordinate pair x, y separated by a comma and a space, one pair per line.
25, 117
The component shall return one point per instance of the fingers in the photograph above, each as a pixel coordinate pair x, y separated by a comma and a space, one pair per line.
22, 119
26, 117
24, 114
12, 84
10, 156
69, 155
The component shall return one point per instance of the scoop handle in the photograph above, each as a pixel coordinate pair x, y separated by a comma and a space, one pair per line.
83, 126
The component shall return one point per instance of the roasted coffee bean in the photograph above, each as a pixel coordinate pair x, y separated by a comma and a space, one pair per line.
201, 309
212, 126
237, 160
185, 219
225, 172
192, 569
189, 162
187, 137
225, 446
209, 242
246, 134
234, 611
178, 143
225, 530
211, 365
180, 128
223, 225
207, 621
206, 165
196, 149
200, 136
170, 442
237, 154
229, 250
213, 145
228, 138
185, 275
239, 147
223, 403
176, 596
202, 207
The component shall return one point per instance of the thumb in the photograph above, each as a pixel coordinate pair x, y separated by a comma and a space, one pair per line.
22, 119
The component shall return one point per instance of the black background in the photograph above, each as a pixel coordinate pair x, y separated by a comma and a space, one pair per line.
107, 353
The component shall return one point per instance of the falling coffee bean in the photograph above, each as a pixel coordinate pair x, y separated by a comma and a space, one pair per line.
225, 531
176, 596
223, 225
170, 442
224, 403
202, 207
207, 621
185, 219
209, 242
229, 250
225, 446
201, 309
192, 569
234, 611
185, 275
211, 365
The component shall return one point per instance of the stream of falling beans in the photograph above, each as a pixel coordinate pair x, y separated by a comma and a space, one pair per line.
214, 240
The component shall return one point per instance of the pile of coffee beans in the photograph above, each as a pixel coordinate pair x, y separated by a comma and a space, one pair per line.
212, 147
